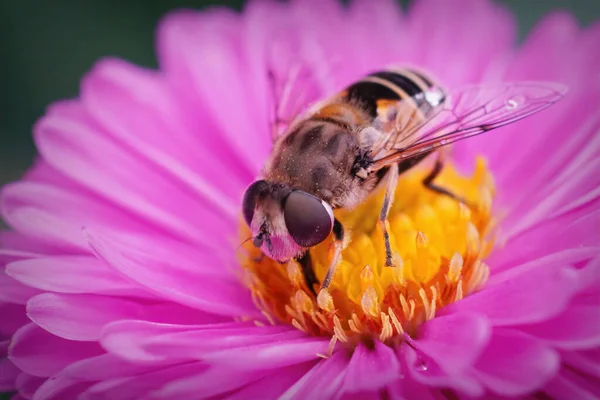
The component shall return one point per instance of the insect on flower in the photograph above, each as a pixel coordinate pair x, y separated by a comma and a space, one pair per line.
340, 150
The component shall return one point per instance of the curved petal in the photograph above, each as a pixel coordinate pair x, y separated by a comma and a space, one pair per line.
324, 380
454, 341
424, 371
8, 375
141, 385
125, 100
73, 274
273, 385
515, 364
143, 340
576, 328
27, 384
174, 271
13, 317
69, 316
530, 293
42, 354
213, 381
12, 291
568, 385
371, 369
202, 54
72, 143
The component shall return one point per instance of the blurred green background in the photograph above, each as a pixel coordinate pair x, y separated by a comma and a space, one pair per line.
47, 46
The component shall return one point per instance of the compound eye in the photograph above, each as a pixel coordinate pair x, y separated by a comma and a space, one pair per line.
250, 199
309, 220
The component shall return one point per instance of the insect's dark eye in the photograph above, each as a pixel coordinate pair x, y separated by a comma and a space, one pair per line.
309, 220
250, 198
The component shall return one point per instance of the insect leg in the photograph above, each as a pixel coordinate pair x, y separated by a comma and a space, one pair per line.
390, 189
338, 233
428, 181
307, 270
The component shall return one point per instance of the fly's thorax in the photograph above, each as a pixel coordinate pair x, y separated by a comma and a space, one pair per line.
317, 156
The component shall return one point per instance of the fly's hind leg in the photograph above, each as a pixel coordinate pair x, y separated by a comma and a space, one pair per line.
428, 181
388, 198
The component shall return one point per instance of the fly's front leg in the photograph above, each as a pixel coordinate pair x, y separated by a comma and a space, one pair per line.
388, 198
428, 181
308, 272
338, 234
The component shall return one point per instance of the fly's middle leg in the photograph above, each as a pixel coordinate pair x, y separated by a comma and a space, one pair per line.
388, 198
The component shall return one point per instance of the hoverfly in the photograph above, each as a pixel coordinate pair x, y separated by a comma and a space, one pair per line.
340, 150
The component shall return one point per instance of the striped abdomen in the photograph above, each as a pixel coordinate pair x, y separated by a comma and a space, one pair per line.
393, 85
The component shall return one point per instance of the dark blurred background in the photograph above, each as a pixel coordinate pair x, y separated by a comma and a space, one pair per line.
46, 46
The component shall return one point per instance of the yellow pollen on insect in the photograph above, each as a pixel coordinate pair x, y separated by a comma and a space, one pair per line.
438, 249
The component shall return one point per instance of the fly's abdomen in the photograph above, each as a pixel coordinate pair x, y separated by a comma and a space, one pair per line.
394, 85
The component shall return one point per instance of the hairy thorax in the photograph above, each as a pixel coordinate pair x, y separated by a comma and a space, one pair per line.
318, 157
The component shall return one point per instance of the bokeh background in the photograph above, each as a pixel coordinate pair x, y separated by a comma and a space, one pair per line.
46, 46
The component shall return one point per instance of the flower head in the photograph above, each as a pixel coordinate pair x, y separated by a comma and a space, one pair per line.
121, 278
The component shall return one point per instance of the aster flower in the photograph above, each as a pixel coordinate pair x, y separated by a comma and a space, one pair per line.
121, 279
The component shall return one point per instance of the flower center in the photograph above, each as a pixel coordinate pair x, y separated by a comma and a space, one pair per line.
438, 244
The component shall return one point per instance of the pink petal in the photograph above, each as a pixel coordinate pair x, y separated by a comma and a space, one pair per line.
568, 385
74, 207
70, 142
69, 316
576, 328
587, 361
107, 367
199, 344
529, 293
28, 384
8, 375
484, 41
13, 317
12, 291
60, 388
72, 274
515, 364
424, 371
273, 385
324, 380
454, 341
126, 99
175, 272
137, 340
371, 369
570, 234
273, 355
140, 386
201, 54
212, 382
128, 339
40, 353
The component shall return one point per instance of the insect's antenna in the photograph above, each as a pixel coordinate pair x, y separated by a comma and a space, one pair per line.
244, 242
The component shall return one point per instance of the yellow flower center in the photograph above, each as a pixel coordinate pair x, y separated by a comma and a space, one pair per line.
438, 245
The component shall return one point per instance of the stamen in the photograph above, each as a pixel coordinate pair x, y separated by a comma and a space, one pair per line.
325, 301
455, 267
369, 302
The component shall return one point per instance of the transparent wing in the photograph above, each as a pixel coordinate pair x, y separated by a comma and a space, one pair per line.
467, 112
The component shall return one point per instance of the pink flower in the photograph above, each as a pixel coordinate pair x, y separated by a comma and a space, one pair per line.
120, 279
